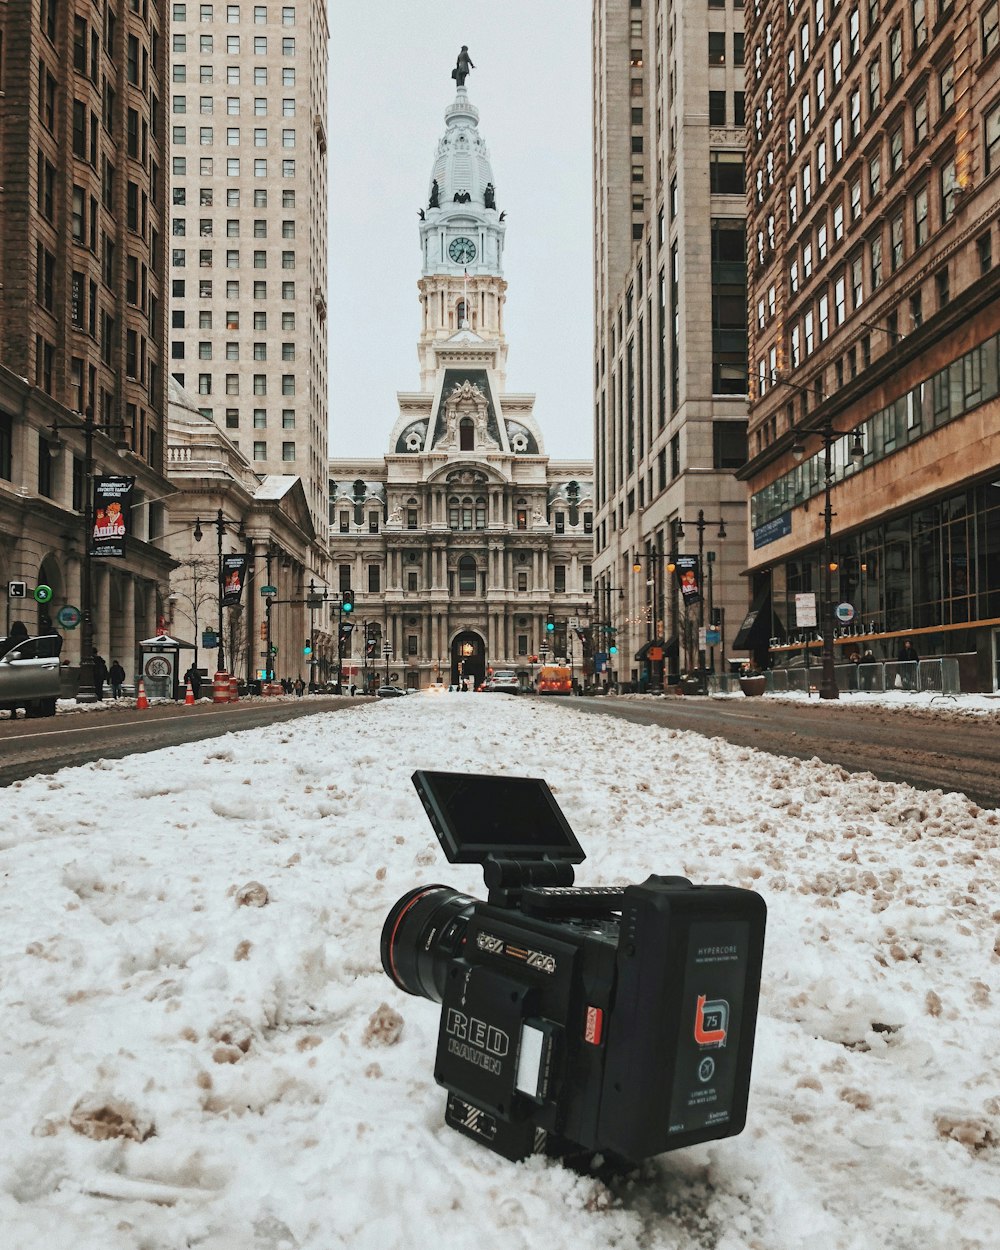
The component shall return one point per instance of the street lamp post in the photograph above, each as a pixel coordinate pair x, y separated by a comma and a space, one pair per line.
221, 523
607, 625
654, 556
828, 681
700, 525
86, 691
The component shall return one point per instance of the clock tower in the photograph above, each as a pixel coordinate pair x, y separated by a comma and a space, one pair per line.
461, 241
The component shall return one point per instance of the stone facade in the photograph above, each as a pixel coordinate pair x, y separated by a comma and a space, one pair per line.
670, 360
82, 307
464, 538
248, 230
874, 290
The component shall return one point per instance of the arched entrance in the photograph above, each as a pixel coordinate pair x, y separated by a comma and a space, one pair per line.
468, 659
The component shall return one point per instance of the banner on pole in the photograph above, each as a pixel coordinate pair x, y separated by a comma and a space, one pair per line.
234, 572
688, 572
111, 496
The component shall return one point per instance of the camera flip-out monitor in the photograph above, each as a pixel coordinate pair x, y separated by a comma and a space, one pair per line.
475, 817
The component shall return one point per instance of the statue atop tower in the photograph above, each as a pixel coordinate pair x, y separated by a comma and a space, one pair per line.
461, 71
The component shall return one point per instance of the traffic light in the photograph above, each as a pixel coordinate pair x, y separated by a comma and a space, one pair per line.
347, 601
612, 650
715, 618
550, 623
307, 648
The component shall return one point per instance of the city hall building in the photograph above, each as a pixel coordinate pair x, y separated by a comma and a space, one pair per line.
464, 538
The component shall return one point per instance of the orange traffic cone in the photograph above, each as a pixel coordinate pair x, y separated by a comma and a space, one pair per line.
141, 702
189, 695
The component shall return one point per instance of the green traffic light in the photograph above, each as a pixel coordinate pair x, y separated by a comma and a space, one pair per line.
612, 650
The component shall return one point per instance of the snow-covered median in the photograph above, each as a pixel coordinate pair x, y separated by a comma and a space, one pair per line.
200, 1047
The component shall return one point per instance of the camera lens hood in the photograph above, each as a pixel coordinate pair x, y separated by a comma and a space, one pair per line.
412, 934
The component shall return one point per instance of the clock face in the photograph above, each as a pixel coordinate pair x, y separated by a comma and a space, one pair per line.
462, 251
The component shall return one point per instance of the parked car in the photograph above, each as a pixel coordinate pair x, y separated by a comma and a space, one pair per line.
504, 681
390, 692
29, 675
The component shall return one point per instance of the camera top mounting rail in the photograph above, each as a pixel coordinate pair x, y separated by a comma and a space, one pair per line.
595, 900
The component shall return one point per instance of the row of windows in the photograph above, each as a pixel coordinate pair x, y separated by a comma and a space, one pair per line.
178, 288
233, 48
232, 383
967, 382
206, 198
258, 75
469, 579
178, 318
232, 415
232, 350
717, 47
206, 105
206, 228
206, 136
178, 258
206, 13
206, 167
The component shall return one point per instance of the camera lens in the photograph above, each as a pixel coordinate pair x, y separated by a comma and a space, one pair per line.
420, 934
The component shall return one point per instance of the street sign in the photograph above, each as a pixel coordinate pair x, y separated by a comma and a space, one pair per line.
387, 649
268, 590
713, 637
209, 639
845, 613
314, 601
43, 594
805, 610
17, 590
68, 616
274, 649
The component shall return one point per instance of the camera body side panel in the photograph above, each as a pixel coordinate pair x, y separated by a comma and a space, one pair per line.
681, 1035
514, 972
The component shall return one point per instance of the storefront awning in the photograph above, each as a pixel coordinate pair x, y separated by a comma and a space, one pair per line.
669, 647
755, 630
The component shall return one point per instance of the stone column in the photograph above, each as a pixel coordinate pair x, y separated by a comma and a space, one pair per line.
129, 657
101, 591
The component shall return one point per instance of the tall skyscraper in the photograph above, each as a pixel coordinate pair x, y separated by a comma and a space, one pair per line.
874, 131
670, 362
82, 308
248, 236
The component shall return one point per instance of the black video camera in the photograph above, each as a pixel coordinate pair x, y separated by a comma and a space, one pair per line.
611, 1020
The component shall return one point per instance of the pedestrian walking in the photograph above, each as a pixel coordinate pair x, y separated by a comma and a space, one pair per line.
866, 669
300, 686
907, 655
353, 689
116, 676
100, 676
193, 675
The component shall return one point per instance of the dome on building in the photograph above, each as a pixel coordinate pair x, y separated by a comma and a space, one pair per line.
462, 164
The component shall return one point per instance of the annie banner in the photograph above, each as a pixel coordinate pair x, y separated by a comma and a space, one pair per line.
111, 501
688, 571
234, 573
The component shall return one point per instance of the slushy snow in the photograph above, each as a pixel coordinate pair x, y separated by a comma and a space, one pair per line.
200, 1047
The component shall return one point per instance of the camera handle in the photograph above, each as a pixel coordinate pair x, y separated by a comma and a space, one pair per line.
506, 878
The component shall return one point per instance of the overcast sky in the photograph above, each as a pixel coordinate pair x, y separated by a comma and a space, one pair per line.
390, 84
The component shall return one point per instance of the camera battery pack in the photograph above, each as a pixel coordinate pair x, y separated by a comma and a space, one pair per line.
681, 1036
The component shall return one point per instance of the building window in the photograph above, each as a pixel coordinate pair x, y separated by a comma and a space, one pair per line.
467, 576
948, 187
992, 137
288, 451
991, 28
716, 108
727, 173
716, 47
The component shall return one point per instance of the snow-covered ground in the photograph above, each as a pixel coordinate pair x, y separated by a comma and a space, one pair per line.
182, 1068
